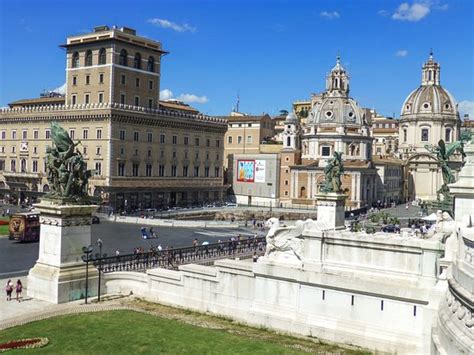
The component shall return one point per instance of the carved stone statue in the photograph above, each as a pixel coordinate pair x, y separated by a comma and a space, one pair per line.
66, 170
333, 172
284, 242
443, 153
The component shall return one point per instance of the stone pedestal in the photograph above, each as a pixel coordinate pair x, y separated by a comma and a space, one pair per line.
331, 209
59, 274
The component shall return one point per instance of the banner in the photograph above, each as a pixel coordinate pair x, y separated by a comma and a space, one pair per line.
259, 170
246, 170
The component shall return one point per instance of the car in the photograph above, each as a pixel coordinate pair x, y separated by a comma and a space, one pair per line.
231, 204
95, 220
390, 228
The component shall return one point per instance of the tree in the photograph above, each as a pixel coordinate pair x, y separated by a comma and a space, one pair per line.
283, 112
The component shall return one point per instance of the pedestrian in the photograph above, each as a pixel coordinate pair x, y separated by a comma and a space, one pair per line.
117, 252
19, 289
255, 257
9, 289
195, 242
160, 248
152, 233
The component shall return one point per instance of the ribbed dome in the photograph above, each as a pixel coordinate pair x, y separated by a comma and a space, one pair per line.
429, 100
291, 118
336, 110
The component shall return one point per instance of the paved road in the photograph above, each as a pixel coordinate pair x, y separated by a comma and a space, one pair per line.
18, 258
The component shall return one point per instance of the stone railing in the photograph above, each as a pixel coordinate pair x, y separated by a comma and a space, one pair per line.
108, 105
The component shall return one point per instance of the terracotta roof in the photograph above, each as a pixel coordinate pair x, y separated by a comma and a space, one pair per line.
245, 118
37, 101
169, 105
377, 159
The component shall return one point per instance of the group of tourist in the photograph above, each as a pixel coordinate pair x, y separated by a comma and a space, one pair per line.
9, 287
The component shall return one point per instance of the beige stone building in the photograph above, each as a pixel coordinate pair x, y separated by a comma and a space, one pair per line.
385, 133
245, 134
143, 156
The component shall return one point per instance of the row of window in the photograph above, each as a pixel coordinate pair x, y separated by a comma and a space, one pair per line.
230, 139
164, 172
47, 134
35, 166
123, 81
123, 59
162, 138
384, 125
174, 154
98, 150
425, 135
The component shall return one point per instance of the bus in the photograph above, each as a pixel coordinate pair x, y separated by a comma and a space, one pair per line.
24, 227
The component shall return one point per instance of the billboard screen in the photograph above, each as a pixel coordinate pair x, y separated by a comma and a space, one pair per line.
259, 170
246, 170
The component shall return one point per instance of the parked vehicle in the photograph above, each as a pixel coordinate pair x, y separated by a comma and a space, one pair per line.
391, 229
24, 227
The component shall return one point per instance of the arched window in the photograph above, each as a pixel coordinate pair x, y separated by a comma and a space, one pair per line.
303, 192
425, 134
23, 165
102, 56
137, 62
88, 59
75, 60
447, 137
151, 64
123, 57
288, 141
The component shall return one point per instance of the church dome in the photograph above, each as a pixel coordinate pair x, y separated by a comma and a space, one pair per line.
430, 99
291, 118
335, 106
337, 110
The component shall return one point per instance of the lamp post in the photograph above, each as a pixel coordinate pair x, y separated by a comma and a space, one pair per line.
99, 243
86, 258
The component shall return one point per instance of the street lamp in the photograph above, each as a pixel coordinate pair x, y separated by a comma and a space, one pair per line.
86, 258
99, 256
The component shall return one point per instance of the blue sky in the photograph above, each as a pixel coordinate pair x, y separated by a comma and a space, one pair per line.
270, 52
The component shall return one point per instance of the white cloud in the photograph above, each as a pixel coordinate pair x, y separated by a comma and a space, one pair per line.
401, 53
330, 15
60, 89
466, 107
413, 13
383, 13
443, 7
190, 98
167, 94
172, 25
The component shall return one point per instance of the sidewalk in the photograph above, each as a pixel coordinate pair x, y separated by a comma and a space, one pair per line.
13, 313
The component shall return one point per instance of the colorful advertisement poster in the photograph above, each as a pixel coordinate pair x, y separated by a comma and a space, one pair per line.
259, 170
246, 170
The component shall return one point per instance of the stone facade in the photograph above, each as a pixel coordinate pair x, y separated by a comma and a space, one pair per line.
143, 156
428, 114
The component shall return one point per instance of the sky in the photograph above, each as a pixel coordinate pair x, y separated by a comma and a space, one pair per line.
269, 53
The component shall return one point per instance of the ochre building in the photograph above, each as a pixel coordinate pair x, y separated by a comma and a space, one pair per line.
144, 156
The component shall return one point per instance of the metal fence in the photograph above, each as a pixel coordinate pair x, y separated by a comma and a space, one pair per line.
172, 258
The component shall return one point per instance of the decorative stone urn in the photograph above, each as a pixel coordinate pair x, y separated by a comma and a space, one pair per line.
59, 274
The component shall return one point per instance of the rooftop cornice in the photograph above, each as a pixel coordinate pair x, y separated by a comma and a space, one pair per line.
78, 109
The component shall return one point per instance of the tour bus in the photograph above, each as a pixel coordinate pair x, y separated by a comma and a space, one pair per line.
24, 227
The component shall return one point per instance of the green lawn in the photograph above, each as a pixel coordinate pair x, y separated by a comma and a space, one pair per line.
129, 332
4, 229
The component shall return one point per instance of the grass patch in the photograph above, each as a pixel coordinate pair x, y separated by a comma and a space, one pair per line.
129, 332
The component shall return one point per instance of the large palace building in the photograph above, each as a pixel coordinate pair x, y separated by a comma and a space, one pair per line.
145, 155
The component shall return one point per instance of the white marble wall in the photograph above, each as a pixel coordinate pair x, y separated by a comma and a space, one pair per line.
336, 294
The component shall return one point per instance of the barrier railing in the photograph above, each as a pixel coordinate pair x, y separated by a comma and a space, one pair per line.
172, 258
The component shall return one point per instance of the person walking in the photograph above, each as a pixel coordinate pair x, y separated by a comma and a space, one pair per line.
19, 289
9, 289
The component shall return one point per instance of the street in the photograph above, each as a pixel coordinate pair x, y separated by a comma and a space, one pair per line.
17, 258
